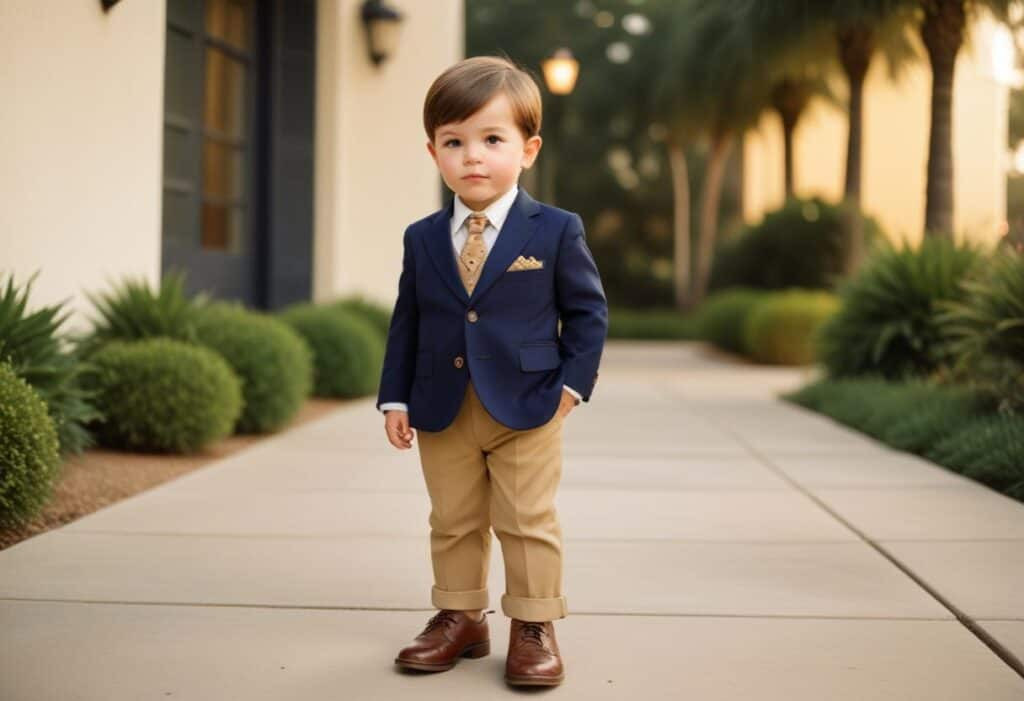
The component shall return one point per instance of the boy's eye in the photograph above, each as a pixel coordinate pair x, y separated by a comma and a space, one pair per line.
492, 136
450, 141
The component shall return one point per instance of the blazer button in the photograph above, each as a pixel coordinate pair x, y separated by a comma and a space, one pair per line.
472, 315
459, 361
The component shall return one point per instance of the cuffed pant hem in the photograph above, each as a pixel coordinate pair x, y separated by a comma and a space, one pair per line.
527, 609
459, 600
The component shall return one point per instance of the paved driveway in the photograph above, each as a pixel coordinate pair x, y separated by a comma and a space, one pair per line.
719, 544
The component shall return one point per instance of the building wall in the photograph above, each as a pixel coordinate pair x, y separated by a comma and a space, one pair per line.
374, 175
895, 147
80, 133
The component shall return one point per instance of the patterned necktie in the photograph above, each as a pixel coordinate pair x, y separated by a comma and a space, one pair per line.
474, 252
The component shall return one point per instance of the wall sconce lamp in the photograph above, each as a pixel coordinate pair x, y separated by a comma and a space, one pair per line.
107, 4
560, 72
381, 23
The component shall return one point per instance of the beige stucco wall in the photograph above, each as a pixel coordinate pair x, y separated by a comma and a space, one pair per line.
896, 147
374, 175
80, 134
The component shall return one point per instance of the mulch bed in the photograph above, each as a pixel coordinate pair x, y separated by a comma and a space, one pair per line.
98, 478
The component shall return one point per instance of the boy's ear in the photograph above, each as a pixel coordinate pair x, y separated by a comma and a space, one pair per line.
530, 150
433, 153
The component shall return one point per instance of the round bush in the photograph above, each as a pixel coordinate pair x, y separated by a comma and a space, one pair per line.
782, 328
29, 450
274, 363
722, 317
378, 315
762, 255
163, 395
348, 352
888, 323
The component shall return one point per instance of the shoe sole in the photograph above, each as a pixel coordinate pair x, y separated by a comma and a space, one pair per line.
535, 681
472, 651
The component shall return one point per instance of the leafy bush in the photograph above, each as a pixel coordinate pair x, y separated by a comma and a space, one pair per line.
273, 361
29, 450
986, 330
989, 449
348, 352
798, 245
650, 324
31, 344
132, 311
163, 395
378, 315
722, 318
887, 322
783, 326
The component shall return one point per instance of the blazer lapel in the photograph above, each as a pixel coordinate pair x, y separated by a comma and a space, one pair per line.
519, 226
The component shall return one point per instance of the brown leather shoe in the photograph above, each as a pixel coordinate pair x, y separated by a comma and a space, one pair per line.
533, 656
448, 635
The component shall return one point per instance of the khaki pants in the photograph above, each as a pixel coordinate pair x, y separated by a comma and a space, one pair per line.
480, 473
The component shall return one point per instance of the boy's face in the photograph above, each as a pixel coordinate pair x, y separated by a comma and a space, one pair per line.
488, 145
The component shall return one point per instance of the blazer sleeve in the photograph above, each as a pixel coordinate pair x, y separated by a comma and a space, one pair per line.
403, 334
582, 308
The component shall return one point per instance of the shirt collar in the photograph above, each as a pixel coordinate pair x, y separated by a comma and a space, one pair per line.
496, 212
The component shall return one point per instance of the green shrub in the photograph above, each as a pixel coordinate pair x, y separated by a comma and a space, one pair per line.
989, 449
887, 323
933, 418
347, 351
132, 311
31, 344
272, 360
378, 315
783, 326
798, 245
650, 324
722, 318
163, 395
986, 330
29, 450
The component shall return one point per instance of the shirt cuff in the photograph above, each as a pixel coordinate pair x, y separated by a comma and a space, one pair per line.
401, 406
573, 392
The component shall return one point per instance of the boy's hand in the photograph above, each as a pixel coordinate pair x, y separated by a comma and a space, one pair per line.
567, 405
396, 425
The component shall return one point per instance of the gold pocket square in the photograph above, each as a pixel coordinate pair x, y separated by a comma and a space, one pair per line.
521, 263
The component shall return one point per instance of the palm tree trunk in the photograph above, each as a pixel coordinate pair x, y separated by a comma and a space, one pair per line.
680, 221
711, 195
790, 98
856, 47
942, 34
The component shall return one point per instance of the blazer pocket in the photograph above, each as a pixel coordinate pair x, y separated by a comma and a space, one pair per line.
424, 363
540, 356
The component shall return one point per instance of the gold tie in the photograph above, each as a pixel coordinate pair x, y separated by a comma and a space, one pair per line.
474, 252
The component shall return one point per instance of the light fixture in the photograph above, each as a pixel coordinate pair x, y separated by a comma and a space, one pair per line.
381, 24
560, 72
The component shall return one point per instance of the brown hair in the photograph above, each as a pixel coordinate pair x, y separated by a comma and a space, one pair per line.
468, 85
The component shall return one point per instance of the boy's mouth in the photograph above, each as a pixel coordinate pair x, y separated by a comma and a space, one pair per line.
474, 177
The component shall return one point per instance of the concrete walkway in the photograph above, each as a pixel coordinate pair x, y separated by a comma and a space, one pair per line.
719, 544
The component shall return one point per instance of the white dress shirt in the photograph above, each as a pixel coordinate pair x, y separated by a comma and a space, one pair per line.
496, 214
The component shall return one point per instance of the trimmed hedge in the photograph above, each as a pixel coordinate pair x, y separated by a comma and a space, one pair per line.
272, 360
782, 328
989, 449
378, 315
348, 353
163, 395
651, 324
29, 450
722, 318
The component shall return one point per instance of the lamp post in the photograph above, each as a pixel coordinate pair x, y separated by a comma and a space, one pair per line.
560, 73
381, 24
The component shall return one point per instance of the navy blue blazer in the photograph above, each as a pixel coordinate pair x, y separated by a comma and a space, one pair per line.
505, 336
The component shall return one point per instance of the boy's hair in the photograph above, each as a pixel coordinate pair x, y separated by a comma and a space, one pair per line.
468, 85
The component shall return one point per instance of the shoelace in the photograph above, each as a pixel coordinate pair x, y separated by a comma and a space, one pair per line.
533, 631
441, 617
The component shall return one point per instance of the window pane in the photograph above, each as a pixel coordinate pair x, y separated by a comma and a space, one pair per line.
225, 97
223, 171
229, 21
222, 227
